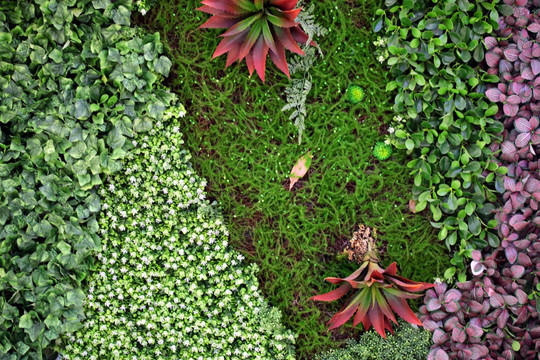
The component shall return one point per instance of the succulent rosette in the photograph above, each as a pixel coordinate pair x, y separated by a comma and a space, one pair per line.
378, 293
256, 29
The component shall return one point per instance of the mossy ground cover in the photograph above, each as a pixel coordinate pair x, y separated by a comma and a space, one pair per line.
245, 147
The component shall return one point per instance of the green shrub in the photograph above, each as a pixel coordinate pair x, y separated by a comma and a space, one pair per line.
435, 48
407, 343
167, 284
76, 83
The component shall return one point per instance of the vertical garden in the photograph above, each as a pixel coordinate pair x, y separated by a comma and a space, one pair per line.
178, 179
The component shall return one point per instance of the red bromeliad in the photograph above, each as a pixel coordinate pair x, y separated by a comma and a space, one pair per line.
379, 293
256, 28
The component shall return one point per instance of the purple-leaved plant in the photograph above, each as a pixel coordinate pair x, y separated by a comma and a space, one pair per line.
495, 315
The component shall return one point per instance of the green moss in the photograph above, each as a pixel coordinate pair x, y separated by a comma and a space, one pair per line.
407, 343
382, 151
245, 147
355, 94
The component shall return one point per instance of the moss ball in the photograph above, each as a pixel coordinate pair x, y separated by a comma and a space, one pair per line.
355, 94
382, 151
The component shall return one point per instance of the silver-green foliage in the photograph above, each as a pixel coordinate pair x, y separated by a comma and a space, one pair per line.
296, 93
167, 284
407, 343
76, 83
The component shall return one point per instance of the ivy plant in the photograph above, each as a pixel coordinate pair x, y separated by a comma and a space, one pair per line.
435, 48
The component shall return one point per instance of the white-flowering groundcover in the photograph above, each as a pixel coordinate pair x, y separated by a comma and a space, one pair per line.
167, 285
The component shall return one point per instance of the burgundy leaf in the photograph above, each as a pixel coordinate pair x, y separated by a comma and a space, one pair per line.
476, 255
490, 42
430, 325
511, 254
451, 323
513, 99
524, 260
452, 307
511, 54
510, 300
458, 335
522, 296
532, 185
534, 27
492, 59
505, 66
474, 331
517, 222
452, 295
517, 87
535, 66
522, 125
475, 306
503, 319
508, 148
522, 139
510, 184
433, 305
440, 337
525, 94
438, 354
510, 110
517, 271
496, 300
527, 73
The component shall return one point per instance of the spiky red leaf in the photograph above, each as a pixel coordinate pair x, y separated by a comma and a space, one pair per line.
229, 43
334, 294
279, 59
284, 4
241, 26
259, 52
391, 269
226, 6
376, 317
344, 314
219, 22
284, 35
250, 63
291, 14
401, 308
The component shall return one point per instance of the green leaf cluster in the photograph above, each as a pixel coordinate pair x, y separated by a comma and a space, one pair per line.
435, 48
167, 284
407, 342
76, 85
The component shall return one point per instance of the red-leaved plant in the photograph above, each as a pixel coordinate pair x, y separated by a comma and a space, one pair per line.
515, 58
490, 317
378, 293
256, 28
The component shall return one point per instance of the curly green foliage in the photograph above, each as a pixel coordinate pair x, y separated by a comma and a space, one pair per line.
435, 48
167, 284
407, 342
245, 147
75, 83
